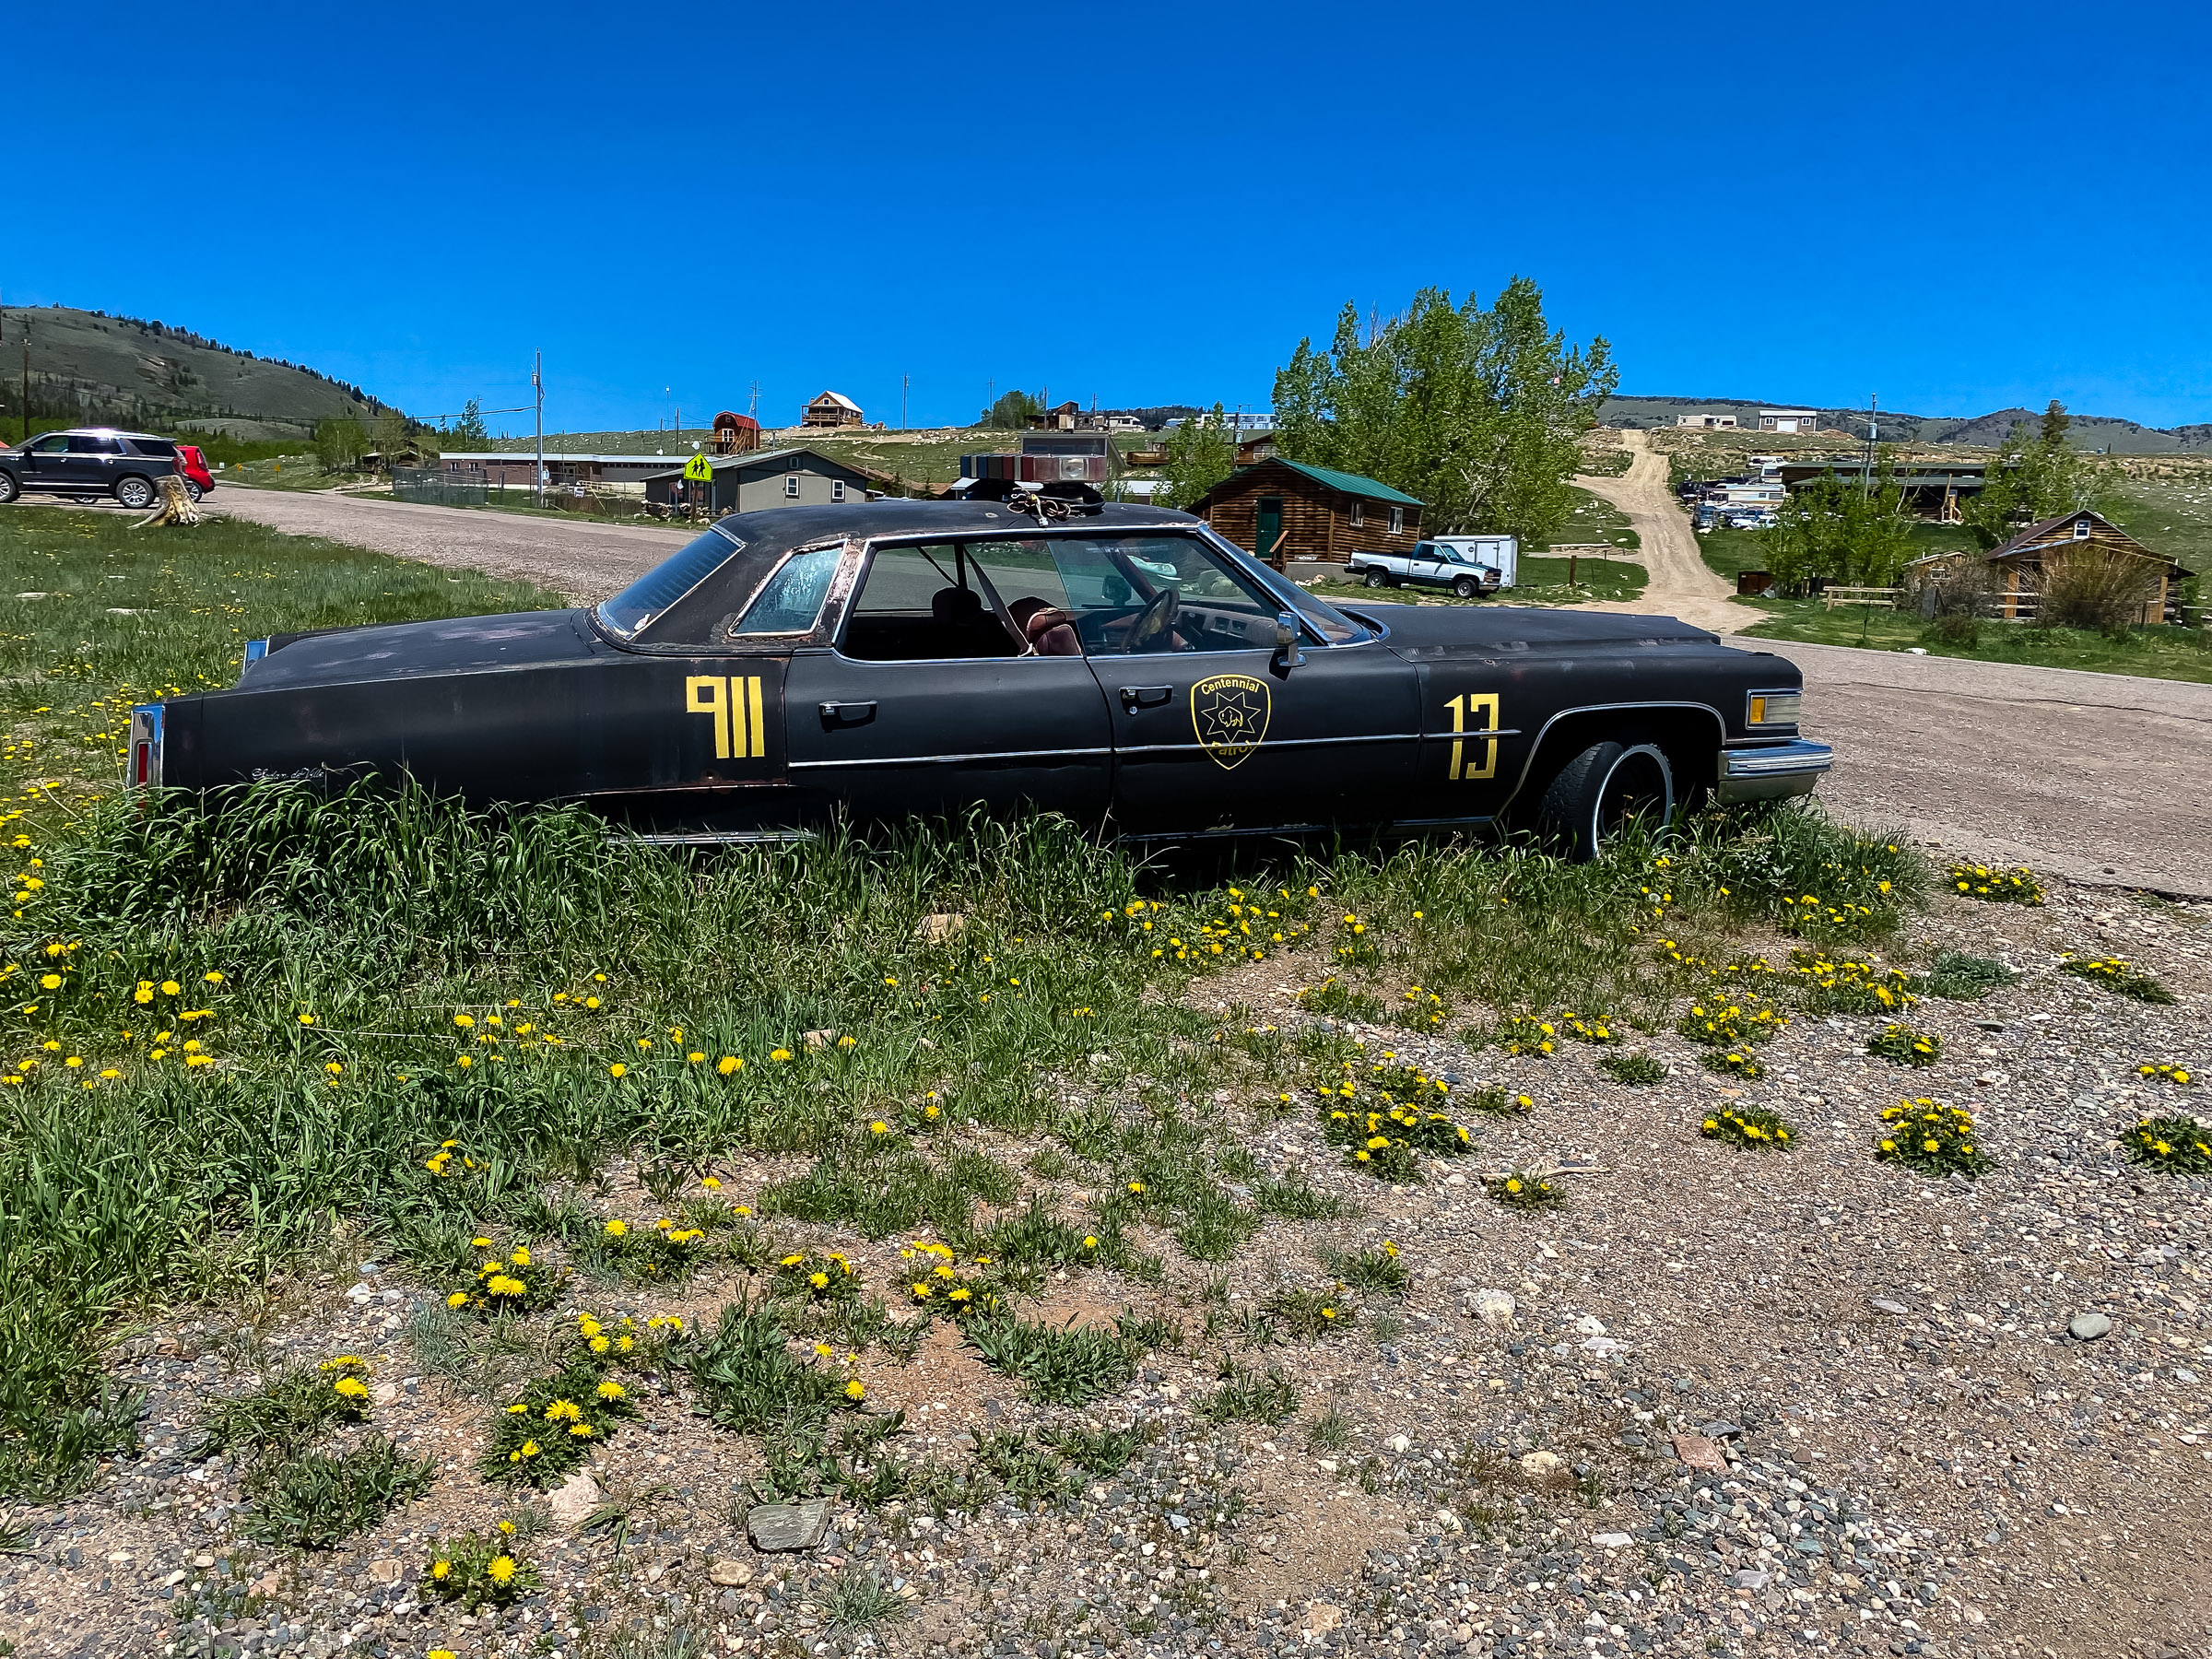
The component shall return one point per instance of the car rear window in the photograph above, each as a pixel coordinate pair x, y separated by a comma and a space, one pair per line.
153, 446
85, 443
668, 581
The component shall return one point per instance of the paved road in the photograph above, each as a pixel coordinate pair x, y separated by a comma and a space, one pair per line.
2093, 776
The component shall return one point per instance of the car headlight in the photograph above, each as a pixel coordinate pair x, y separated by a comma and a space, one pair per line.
1772, 708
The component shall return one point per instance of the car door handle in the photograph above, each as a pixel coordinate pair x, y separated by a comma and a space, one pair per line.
847, 714
1146, 696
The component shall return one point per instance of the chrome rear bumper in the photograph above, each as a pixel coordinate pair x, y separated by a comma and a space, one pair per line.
1773, 771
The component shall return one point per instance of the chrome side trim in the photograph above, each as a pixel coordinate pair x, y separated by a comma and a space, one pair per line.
1199, 748
1001, 754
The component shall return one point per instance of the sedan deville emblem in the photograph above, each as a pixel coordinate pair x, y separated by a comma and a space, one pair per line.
1230, 714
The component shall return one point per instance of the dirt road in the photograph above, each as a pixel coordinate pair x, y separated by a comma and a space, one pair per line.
1681, 584
582, 561
2090, 775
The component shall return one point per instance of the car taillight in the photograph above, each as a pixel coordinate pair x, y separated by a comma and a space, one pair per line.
143, 769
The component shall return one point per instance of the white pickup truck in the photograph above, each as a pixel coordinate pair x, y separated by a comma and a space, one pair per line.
1471, 566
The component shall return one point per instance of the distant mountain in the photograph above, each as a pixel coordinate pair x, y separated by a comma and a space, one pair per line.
91, 368
2095, 432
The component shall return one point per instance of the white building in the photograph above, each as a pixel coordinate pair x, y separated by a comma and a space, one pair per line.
1705, 421
1789, 421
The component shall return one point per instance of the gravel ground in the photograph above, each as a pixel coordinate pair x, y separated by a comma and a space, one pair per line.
1743, 1403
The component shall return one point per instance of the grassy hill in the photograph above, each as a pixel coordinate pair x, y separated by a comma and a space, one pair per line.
87, 368
1983, 431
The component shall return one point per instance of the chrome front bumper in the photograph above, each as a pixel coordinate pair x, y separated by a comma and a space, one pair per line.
1773, 771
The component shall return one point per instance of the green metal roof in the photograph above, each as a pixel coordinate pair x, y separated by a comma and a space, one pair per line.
1350, 483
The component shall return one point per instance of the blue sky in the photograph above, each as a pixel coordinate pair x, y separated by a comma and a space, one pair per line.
1958, 206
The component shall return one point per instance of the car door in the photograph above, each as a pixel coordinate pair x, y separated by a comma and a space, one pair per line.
930, 702
46, 462
1213, 730
92, 463
1425, 563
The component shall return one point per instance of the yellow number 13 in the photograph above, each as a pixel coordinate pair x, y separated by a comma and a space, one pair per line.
736, 705
1474, 703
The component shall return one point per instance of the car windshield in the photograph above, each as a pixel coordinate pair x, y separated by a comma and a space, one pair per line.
629, 611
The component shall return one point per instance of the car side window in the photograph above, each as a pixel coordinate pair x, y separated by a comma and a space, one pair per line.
925, 603
790, 600
85, 444
54, 443
1182, 598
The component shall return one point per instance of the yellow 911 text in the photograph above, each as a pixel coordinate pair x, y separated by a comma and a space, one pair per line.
734, 703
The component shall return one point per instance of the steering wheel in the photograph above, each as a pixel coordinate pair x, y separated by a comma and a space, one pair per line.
1154, 621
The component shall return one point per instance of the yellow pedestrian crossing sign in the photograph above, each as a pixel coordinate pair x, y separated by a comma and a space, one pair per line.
699, 470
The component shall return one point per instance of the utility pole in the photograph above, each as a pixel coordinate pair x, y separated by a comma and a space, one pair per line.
537, 385
1867, 469
903, 381
27, 380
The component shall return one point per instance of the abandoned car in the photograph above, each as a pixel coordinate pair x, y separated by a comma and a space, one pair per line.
1118, 664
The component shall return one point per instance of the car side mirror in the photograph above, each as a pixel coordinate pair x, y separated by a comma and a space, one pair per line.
1286, 640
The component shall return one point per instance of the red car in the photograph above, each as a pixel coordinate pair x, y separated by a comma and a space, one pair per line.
198, 480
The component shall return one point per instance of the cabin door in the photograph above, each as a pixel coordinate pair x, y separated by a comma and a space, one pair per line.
1270, 527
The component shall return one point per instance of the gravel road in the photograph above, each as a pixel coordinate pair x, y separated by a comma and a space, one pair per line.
2070, 772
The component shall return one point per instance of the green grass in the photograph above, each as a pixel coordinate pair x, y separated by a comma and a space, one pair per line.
2169, 514
283, 472
2158, 652
328, 946
1539, 582
71, 661
314, 1501
1592, 519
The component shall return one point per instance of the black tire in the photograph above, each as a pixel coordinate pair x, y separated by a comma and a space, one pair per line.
1601, 789
192, 490
1467, 587
134, 492
1376, 578
10, 488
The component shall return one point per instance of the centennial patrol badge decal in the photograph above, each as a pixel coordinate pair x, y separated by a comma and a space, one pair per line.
1230, 714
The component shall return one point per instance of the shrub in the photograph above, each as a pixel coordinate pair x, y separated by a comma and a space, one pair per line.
1753, 1127
1518, 1189
481, 1569
1905, 1046
289, 1412
1932, 1139
2117, 976
1994, 885
1637, 1069
2082, 586
1962, 978
2180, 1145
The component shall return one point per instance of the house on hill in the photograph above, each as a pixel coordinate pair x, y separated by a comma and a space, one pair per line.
735, 434
765, 479
1277, 510
2017, 567
832, 409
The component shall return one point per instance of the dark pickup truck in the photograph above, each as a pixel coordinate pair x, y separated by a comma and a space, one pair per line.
87, 463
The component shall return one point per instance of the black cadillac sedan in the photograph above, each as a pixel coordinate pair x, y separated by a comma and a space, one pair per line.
1122, 665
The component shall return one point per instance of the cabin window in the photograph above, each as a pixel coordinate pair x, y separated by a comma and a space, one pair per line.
1397, 521
2081, 529
1357, 519
791, 485
837, 488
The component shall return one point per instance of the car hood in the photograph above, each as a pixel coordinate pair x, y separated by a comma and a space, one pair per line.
404, 650
1425, 632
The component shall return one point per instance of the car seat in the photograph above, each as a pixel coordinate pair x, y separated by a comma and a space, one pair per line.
964, 628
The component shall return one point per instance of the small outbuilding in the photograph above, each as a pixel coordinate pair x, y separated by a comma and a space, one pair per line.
1789, 421
1279, 510
787, 478
735, 434
2018, 564
832, 409
1718, 422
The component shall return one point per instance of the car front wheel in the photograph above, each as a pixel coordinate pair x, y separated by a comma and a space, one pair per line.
1602, 791
193, 491
1376, 578
134, 492
10, 488
1467, 587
